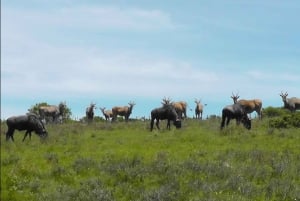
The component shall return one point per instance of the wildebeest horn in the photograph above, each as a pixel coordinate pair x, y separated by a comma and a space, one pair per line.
166, 101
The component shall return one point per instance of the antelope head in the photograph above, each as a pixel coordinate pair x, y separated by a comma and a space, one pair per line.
283, 96
131, 103
197, 101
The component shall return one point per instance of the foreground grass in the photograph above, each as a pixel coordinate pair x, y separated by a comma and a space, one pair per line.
124, 161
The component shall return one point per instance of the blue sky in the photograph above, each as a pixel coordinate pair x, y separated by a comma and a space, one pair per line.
113, 52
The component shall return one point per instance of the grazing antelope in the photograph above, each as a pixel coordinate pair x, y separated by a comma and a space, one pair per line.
90, 112
122, 111
167, 111
291, 104
198, 109
107, 113
235, 111
51, 113
249, 105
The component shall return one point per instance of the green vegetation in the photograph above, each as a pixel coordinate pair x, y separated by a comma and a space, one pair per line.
125, 161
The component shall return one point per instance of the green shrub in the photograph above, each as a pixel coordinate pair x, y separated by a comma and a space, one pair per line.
274, 112
286, 121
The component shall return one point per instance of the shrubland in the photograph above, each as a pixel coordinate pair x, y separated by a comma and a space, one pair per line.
125, 161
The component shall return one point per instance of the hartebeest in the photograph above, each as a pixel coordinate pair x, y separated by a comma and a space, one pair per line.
198, 109
51, 113
249, 105
106, 113
122, 111
90, 112
291, 104
180, 108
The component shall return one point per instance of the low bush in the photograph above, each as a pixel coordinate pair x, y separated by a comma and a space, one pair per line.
286, 121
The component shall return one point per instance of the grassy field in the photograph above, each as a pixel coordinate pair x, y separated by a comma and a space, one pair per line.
124, 161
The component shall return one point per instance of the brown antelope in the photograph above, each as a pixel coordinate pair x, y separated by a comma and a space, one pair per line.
107, 113
179, 106
249, 105
198, 109
291, 104
51, 113
122, 111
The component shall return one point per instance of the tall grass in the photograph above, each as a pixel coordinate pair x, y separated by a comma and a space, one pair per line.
125, 161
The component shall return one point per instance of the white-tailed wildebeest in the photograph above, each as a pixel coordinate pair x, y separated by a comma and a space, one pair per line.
198, 109
107, 113
28, 122
89, 112
235, 111
167, 112
291, 104
179, 106
249, 105
51, 113
122, 111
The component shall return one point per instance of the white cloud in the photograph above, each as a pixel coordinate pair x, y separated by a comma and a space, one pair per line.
91, 17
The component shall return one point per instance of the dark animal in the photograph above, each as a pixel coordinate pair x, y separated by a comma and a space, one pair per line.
168, 112
90, 112
52, 113
291, 104
122, 111
28, 122
249, 105
179, 106
235, 111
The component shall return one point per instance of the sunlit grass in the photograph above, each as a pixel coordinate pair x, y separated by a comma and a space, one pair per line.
125, 161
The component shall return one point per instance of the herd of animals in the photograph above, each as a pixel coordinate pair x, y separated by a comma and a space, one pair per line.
170, 111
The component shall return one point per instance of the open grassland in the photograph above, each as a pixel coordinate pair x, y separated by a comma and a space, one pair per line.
124, 161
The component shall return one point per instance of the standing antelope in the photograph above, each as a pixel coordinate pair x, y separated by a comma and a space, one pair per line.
291, 104
90, 112
51, 113
198, 109
249, 105
107, 113
122, 111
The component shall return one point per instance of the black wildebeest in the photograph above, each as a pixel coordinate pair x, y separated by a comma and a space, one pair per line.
168, 112
235, 111
28, 122
122, 111
291, 104
90, 112
179, 106
51, 113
